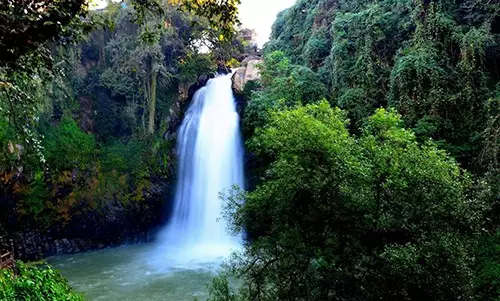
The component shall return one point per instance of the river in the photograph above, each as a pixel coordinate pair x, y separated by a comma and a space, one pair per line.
133, 273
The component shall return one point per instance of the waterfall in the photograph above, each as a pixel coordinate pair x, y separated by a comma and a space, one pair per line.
210, 156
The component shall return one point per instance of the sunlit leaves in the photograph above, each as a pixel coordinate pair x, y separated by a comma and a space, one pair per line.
285, 85
221, 14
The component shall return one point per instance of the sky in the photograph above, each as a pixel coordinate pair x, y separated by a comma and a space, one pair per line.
254, 14
260, 15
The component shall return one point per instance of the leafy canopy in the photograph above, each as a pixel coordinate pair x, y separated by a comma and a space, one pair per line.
338, 217
284, 85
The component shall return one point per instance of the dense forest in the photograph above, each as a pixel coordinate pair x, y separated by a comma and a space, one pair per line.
376, 132
372, 137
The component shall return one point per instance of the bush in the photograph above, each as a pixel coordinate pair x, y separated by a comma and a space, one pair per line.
285, 85
124, 157
40, 283
67, 146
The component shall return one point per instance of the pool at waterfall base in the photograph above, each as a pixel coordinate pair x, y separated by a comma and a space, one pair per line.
134, 273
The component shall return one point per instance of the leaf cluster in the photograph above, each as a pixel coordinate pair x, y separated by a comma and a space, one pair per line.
340, 217
30, 282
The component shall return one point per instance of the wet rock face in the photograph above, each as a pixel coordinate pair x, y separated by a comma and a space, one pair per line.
179, 107
35, 246
248, 72
114, 223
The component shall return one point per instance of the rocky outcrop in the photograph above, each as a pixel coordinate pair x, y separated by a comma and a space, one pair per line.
248, 72
179, 106
33, 245
114, 223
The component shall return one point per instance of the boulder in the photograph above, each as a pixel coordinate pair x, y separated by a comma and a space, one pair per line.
247, 73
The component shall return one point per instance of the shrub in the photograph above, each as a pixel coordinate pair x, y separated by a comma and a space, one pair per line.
67, 146
40, 283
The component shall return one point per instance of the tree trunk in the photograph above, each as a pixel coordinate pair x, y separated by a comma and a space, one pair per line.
102, 50
152, 103
144, 104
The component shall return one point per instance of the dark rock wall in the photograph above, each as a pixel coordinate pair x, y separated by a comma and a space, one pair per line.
114, 224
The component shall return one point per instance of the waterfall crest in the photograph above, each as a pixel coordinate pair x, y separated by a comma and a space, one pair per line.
210, 155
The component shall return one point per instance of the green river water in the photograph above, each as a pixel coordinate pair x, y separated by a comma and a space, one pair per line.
136, 273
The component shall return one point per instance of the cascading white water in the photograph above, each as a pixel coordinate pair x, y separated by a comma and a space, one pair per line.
210, 155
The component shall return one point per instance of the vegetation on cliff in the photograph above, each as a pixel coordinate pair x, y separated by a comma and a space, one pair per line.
84, 108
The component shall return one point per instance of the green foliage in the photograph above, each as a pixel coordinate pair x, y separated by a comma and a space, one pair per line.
81, 115
132, 81
195, 65
32, 32
220, 290
67, 146
363, 43
317, 48
34, 203
435, 62
488, 268
27, 27
159, 159
251, 87
28, 31
20, 95
30, 282
122, 77
125, 158
284, 85
451, 91
294, 84
338, 217
221, 15
6, 141
86, 120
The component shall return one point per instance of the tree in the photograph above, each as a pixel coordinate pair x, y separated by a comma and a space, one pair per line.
338, 217
30, 28
27, 25
221, 14
435, 62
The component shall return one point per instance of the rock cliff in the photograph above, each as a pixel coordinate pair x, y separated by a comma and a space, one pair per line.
248, 72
